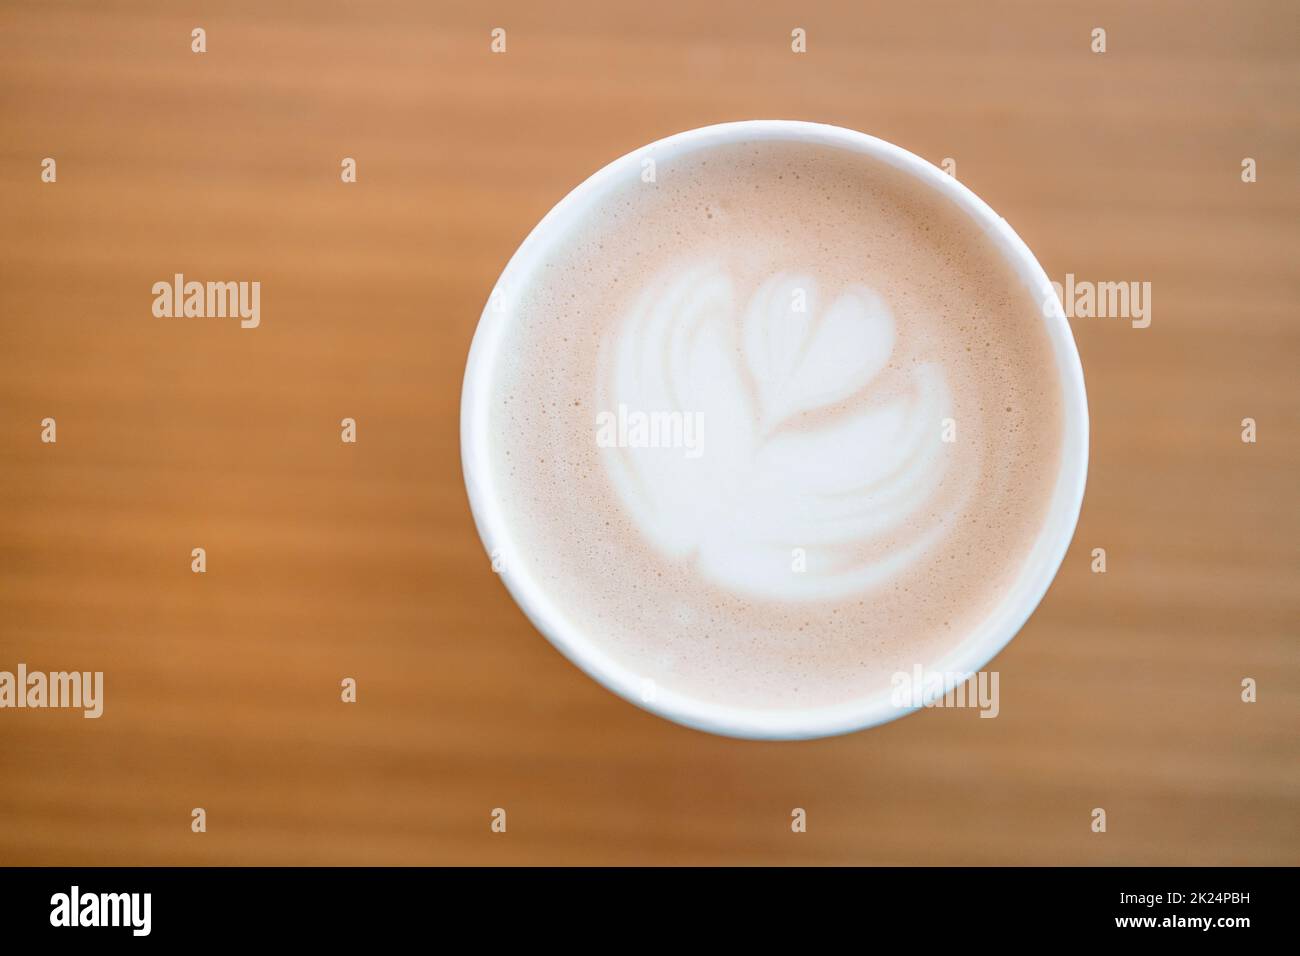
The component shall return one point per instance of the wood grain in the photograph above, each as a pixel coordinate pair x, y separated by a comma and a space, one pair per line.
329, 560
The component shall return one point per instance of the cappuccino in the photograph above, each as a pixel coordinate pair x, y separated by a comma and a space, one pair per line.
773, 424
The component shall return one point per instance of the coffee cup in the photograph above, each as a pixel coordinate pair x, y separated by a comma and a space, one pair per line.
970, 653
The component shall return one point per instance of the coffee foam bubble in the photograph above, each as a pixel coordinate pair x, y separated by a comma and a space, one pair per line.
819, 323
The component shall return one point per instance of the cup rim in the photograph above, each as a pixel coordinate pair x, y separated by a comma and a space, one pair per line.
974, 651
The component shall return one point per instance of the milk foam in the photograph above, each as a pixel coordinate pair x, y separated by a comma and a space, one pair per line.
775, 508
828, 322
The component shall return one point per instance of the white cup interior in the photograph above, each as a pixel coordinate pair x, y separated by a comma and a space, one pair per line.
975, 650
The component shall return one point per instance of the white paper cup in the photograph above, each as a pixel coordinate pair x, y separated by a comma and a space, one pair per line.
876, 706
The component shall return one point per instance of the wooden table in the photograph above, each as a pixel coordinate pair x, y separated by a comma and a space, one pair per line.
327, 560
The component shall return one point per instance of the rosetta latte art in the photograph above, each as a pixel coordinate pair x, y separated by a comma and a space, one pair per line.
823, 470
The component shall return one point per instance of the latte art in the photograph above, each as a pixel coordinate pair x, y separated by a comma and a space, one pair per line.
759, 512
773, 427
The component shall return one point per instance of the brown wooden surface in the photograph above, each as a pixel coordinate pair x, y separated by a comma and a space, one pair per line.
328, 560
